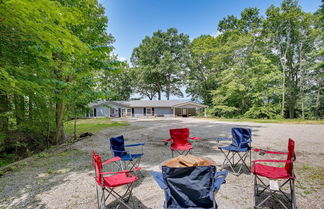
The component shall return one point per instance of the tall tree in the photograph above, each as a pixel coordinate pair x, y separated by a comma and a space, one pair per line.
161, 61
49, 53
291, 34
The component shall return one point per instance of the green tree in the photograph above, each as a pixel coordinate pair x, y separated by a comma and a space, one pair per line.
117, 83
160, 61
50, 52
291, 34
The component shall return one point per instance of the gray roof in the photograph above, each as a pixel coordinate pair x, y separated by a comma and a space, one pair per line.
148, 103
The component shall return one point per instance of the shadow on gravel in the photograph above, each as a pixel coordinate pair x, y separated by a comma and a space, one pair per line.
21, 189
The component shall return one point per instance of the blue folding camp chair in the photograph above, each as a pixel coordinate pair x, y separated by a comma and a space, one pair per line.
190, 187
240, 147
128, 160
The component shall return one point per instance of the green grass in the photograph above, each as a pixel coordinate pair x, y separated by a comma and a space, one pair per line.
282, 121
93, 125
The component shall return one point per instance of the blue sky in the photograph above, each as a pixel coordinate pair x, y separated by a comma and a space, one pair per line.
131, 20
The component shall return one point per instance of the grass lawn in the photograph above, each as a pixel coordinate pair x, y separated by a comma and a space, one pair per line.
284, 121
93, 125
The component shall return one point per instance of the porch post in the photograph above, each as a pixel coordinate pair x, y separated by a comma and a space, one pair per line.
126, 112
205, 112
174, 112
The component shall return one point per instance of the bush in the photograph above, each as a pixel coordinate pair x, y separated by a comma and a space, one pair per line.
223, 111
267, 111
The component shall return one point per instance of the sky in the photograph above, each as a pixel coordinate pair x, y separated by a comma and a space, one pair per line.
129, 21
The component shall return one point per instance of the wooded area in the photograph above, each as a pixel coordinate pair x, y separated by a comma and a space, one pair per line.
257, 67
51, 53
56, 57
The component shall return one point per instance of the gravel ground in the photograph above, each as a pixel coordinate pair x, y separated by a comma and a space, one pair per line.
64, 179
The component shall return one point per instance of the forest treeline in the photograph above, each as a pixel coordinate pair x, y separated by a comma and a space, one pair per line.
56, 57
258, 66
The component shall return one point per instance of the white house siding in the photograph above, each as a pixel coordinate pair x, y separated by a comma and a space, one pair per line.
166, 111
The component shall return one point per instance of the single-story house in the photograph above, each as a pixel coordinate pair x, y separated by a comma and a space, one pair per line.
140, 108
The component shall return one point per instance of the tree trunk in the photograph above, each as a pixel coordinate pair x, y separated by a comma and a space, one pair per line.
19, 109
302, 106
159, 95
292, 104
74, 132
30, 108
317, 106
168, 94
283, 96
168, 89
302, 78
4, 108
59, 132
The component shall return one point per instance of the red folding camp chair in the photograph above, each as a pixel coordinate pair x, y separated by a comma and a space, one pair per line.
108, 181
180, 143
275, 174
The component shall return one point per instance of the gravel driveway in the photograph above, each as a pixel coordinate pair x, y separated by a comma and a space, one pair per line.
64, 179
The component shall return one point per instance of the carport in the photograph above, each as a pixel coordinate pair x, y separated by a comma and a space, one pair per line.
188, 109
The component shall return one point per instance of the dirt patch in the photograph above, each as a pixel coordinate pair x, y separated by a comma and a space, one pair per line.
65, 179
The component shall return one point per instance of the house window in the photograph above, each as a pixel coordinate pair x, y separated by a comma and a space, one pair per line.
123, 112
112, 112
129, 112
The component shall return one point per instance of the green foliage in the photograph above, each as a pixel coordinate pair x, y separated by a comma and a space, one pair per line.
50, 54
270, 111
261, 67
159, 62
117, 84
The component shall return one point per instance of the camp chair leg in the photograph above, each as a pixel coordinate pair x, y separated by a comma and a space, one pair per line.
293, 194
134, 163
102, 199
272, 193
230, 161
183, 152
255, 191
97, 195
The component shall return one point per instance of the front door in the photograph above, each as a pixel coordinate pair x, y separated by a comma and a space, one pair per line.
184, 112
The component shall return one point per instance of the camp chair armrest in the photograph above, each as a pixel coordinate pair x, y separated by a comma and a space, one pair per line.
269, 152
194, 138
222, 138
219, 179
124, 171
273, 161
135, 145
167, 140
111, 160
246, 142
107, 173
158, 177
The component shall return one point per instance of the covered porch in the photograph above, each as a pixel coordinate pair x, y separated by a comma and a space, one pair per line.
189, 109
